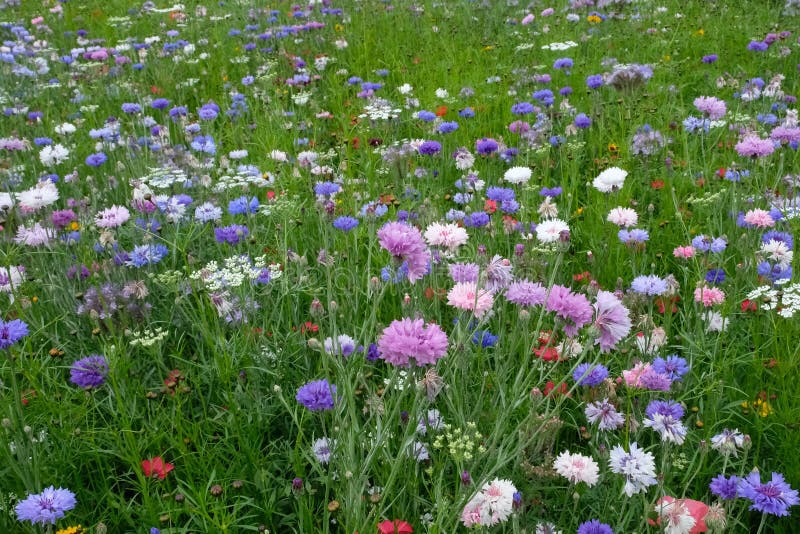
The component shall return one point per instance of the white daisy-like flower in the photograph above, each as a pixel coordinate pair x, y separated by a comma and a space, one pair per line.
777, 252
42, 194
611, 179
518, 175
550, 231
623, 217
53, 155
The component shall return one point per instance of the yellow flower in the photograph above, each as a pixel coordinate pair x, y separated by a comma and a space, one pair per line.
74, 226
76, 529
701, 32
667, 58
338, 27
488, 47
594, 19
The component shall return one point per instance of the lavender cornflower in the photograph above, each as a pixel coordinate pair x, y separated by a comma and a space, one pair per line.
430, 148
594, 527
46, 507
647, 141
673, 366
317, 395
522, 108
650, 285
582, 120
95, 160
486, 146
729, 442
604, 413
89, 372
774, 497
11, 332
710, 58
634, 236
345, 223
447, 127
590, 375
724, 488
594, 81
232, 234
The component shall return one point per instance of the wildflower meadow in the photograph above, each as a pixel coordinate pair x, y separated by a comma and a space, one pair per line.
395, 266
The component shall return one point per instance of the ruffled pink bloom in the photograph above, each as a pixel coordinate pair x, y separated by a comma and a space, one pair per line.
754, 147
411, 339
633, 377
709, 296
759, 219
683, 252
612, 319
527, 19
711, 106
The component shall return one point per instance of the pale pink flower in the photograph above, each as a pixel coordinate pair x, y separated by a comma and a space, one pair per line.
112, 217
759, 218
450, 236
633, 376
684, 252
467, 296
709, 296
711, 106
577, 468
623, 217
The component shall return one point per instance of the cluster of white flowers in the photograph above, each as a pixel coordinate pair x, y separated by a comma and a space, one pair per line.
161, 178
148, 337
234, 272
243, 179
380, 110
566, 45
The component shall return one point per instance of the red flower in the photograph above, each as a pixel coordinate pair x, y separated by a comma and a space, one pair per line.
157, 467
550, 387
441, 111
749, 306
490, 206
657, 184
394, 527
548, 354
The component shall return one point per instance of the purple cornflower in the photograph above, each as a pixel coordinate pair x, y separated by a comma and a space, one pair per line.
673, 366
430, 148
231, 234
710, 58
604, 413
647, 141
774, 497
650, 285
486, 146
545, 96
754, 147
476, 219
590, 375
724, 488
242, 205
45, 507
522, 108
525, 293
11, 332
563, 63
345, 223
715, 276
594, 527
665, 408
573, 308
582, 120
594, 81
326, 189
426, 116
757, 46
89, 372
502, 194
131, 108
149, 254
317, 395
551, 192
447, 127
781, 237
95, 160
159, 103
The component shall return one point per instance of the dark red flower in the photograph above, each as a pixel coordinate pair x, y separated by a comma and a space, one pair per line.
394, 527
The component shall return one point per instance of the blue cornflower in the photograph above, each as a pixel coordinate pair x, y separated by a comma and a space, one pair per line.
146, 255
673, 366
345, 223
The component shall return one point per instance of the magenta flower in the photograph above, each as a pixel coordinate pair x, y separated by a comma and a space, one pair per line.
573, 308
411, 339
406, 244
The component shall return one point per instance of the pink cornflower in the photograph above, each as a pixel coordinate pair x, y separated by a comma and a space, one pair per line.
411, 339
405, 243
683, 252
112, 217
709, 296
35, 236
759, 219
711, 106
754, 147
612, 319
623, 217
785, 135
633, 377
449, 235
577, 468
573, 308
467, 296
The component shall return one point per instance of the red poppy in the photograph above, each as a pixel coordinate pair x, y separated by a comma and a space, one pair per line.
490, 206
657, 184
749, 306
394, 527
441, 111
550, 387
696, 509
548, 354
157, 467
